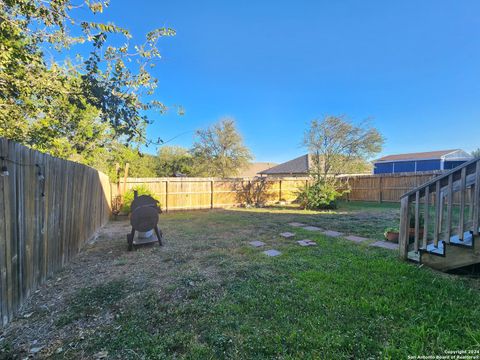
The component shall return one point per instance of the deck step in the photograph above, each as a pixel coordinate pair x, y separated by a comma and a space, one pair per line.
467, 240
435, 250
414, 256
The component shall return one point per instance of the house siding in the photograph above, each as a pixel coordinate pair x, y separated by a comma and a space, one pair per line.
419, 162
453, 164
383, 168
429, 165
406, 166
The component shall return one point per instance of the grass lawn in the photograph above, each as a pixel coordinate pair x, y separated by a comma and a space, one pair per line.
208, 295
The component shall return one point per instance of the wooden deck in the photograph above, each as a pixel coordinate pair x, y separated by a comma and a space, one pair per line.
444, 216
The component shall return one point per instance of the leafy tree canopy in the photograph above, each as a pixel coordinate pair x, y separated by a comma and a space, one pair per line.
339, 146
54, 99
175, 160
219, 150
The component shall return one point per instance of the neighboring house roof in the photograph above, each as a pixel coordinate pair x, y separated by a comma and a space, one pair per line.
255, 168
430, 155
299, 165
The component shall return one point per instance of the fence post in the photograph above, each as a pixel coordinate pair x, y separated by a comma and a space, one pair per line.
166, 196
380, 191
280, 191
125, 175
211, 195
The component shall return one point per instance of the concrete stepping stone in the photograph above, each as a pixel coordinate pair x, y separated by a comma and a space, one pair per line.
287, 235
297, 224
312, 228
272, 252
357, 239
306, 242
256, 243
332, 233
385, 245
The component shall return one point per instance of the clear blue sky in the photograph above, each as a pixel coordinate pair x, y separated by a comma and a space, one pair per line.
413, 66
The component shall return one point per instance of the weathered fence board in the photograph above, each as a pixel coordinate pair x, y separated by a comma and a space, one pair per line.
43, 222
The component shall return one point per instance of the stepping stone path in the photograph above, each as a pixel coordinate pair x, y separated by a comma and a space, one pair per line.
385, 245
297, 224
272, 252
257, 243
356, 239
332, 233
312, 228
306, 243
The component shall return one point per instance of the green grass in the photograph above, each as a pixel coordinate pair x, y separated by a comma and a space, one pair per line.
221, 299
369, 219
90, 301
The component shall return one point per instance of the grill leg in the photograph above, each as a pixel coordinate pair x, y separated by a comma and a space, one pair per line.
130, 239
159, 235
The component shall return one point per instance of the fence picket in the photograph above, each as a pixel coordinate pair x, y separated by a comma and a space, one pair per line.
39, 234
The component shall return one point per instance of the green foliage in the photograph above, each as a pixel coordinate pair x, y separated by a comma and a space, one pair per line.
129, 196
69, 106
476, 153
337, 146
320, 195
219, 150
174, 160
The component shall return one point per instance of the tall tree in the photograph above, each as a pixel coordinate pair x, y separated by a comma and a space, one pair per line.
53, 99
339, 146
174, 160
476, 153
336, 146
219, 150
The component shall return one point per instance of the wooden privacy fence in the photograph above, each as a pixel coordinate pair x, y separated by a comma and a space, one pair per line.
48, 209
209, 193
385, 187
205, 193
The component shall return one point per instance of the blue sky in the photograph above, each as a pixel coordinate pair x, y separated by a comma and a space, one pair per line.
412, 66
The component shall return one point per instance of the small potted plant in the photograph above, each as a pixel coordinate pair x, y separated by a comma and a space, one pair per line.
392, 234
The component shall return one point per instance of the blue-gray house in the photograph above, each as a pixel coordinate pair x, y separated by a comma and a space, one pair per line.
424, 161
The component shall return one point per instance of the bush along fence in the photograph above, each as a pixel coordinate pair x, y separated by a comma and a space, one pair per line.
49, 208
209, 193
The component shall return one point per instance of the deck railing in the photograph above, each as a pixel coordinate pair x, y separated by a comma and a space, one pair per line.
446, 206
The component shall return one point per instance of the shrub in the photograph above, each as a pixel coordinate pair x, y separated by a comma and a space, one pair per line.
320, 195
253, 192
129, 195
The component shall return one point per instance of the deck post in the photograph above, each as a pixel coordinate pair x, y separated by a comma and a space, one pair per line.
404, 227
476, 200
